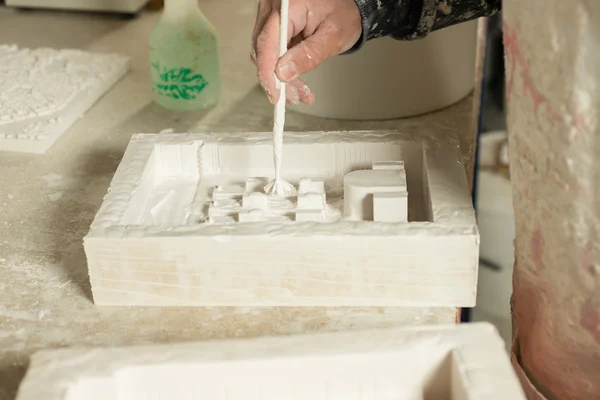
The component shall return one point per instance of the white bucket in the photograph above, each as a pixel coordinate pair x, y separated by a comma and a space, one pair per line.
390, 79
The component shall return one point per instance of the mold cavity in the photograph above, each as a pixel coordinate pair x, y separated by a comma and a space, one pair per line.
193, 183
422, 373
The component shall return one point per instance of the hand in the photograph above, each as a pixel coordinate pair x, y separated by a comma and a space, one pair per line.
318, 30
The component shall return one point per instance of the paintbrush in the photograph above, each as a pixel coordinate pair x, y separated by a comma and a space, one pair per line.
278, 186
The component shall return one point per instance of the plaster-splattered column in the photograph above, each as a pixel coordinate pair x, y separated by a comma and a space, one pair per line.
553, 89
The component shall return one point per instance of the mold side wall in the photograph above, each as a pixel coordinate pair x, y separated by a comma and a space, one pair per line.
290, 270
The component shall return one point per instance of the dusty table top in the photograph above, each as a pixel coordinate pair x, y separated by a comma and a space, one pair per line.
47, 202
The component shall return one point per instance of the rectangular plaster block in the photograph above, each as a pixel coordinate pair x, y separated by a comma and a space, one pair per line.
255, 201
252, 215
144, 250
229, 203
228, 192
360, 187
311, 201
308, 185
43, 92
390, 207
222, 211
219, 211
460, 362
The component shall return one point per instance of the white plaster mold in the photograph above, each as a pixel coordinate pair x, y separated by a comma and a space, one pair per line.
43, 92
377, 219
455, 362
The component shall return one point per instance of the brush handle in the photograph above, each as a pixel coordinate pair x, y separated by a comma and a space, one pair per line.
283, 27
279, 117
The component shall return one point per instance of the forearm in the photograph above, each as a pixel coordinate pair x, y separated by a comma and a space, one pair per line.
415, 19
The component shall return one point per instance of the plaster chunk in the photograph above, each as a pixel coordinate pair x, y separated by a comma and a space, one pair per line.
279, 204
221, 211
223, 207
228, 192
311, 201
308, 185
361, 185
226, 203
256, 200
252, 216
390, 207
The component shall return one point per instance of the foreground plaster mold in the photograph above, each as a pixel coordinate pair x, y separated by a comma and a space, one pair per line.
376, 219
461, 362
44, 91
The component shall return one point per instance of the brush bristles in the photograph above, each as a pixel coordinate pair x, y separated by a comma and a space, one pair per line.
280, 188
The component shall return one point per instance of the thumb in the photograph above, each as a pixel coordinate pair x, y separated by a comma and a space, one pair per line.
326, 42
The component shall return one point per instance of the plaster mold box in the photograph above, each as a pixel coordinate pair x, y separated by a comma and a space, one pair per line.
377, 219
461, 362
43, 92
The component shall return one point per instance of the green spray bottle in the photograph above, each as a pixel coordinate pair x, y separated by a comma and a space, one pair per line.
184, 58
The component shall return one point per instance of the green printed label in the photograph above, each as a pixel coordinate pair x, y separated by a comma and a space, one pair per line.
178, 83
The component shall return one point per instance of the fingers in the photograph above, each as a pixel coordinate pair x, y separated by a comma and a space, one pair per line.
262, 14
267, 54
326, 42
297, 21
297, 91
266, 45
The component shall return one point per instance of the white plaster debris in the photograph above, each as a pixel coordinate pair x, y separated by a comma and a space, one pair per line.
55, 196
52, 179
42, 314
44, 91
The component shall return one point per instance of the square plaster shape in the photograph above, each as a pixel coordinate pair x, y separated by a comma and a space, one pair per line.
458, 362
43, 92
390, 207
179, 226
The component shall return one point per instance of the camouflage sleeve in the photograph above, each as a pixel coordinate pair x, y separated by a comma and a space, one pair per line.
415, 19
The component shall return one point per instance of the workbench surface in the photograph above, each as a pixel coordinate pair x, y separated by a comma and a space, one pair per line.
47, 202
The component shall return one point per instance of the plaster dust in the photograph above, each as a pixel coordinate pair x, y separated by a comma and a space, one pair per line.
44, 269
44, 91
437, 362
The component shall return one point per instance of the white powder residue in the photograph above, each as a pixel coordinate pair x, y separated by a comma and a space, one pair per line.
52, 179
55, 196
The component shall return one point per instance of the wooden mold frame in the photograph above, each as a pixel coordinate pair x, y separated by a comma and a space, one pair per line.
148, 246
457, 362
